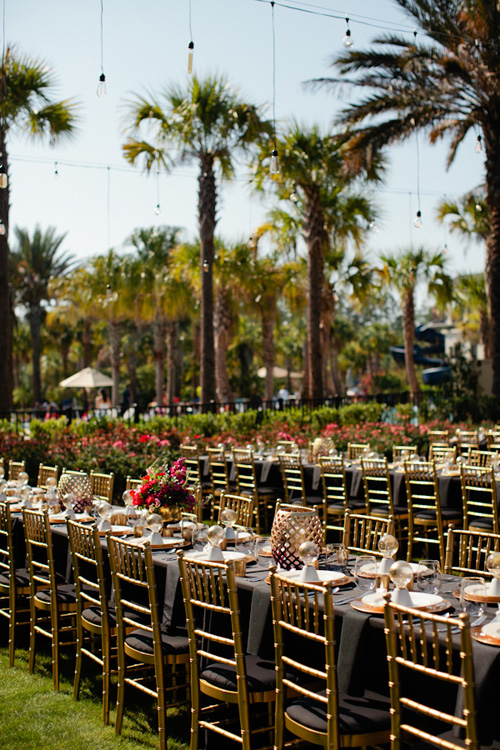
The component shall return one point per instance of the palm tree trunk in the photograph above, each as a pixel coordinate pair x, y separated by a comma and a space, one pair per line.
268, 314
485, 332
115, 347
408, 306
315, 238
207, 220
35, 323
172, 339
222, 325
327, 317
159, 351
87, 343
5, 297
492, 267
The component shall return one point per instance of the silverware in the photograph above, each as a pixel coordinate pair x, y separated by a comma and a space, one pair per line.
347, 600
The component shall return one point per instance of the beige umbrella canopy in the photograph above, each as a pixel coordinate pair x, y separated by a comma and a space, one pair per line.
278, 372
87, 378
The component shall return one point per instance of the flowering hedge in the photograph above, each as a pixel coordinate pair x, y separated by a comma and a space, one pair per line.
111, 445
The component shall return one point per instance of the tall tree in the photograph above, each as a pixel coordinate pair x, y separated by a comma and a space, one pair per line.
210, 123
26, 104
446, 85
315, 174
404, 272
35, 261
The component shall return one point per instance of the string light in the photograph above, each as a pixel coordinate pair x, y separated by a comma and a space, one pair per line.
101, 86
347, 41
56, 171
191, 44
274, 166
418, 218
479, 144
158, 207
205, 266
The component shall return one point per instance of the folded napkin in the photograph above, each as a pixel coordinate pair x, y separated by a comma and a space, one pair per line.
353, 655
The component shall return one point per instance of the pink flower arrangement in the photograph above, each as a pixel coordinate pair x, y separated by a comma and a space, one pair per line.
163, 487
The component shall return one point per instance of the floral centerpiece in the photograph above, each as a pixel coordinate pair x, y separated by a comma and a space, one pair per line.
165, 490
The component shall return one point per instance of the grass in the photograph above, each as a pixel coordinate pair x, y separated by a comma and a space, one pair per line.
34, 716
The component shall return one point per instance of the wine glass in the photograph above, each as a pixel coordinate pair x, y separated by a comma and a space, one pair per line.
429, 576
134, 517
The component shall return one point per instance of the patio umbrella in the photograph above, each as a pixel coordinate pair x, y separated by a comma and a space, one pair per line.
87, 378
278, 372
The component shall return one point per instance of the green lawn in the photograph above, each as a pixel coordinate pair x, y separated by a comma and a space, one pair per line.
34, 717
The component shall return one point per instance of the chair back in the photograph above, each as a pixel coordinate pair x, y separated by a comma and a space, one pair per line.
377, 485
467, 551
481, 458
403, 452
219, 475
293, 476
441, 452
356, 450
44, 473
89, 570
412, 656
422, 488
210, 595
7, 562
479, 498
492, 438
304, 627
40, 553
243, 506
334, 481
287, 446
439, 436
15, 468
191, 456
244, 469
133, 484
467, 439
362, 533
102, 485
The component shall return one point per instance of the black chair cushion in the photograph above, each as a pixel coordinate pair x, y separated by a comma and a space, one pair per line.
448, 514
21, 577
93, 614
261, 675
336, 508
383, 510
172, 645
65, 594
481, 523
356, 715
353, 503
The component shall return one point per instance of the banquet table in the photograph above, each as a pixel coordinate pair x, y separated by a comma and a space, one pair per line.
361, 651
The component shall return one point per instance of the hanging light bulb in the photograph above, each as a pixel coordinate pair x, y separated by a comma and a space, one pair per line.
294, 197
205, 266
3, 180
101, 86
56, 171
347, 41
479, 207
479, 144
2, 228
274, 167
373, 225
418, 219
190, 57
157, 209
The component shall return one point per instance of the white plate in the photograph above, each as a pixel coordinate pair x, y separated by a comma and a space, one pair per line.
61, 518
492, 629
418, 599
323, 575
370, 570
203, 555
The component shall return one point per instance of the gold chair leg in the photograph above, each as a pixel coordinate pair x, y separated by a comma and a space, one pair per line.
31, 661
106, 670
120, 694
78, 662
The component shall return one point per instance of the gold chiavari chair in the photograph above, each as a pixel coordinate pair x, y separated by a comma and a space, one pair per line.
439, 436
148, 658
403, 452
102, 485
315, 710
191, 456
356, 450
52, 605
426, 517
220, 668
479, 498
219, 476
441, 452
292, 473
468, 550
242, 506
335, 498
416, 719
15, 468
492, 438
14, 582
467, 439
362, 533
44, 473
481, 458
247, 484
378, 494
133, 484
287, 446
93, 613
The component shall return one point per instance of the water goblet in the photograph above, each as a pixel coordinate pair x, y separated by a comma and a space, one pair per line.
228, 519
473, 595
337, 554
215, 535
365, 572
429, 576
105, 512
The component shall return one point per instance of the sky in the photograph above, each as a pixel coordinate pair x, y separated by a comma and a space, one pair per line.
86, 189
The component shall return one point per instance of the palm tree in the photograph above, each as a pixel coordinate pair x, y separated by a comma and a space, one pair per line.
469, 295
209, 123
404, 272
445, 86
470, 216
35, 261
26, 104
314, 175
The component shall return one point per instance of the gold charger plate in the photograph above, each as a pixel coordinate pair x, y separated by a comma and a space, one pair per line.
337, 581
169, 543
477, 597
118, 531
373, 609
